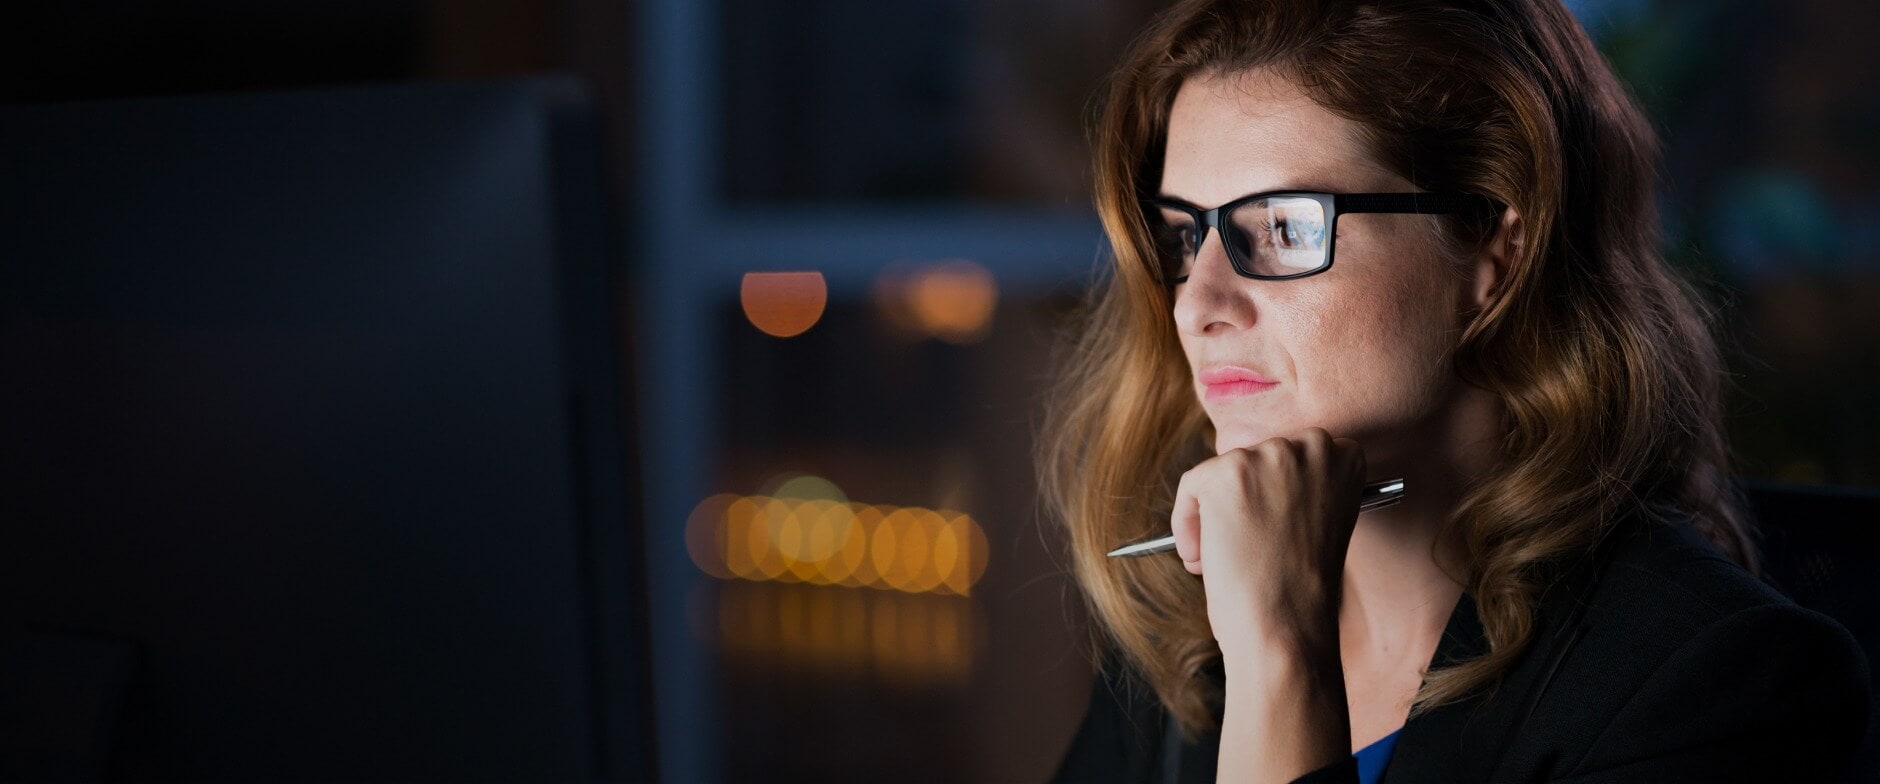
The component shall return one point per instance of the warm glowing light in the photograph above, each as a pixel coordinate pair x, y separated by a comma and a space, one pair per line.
824, 541
954, 301
917, 551
783, 304
950, 300
765, 527
868, 522
900, 639
946, 556
830, 528
705, 535
806, 487
886, 551
846, 544
739, 520
960, 540
792, 535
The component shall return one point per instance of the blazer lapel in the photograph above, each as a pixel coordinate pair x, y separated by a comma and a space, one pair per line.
1465, 741
1430, 750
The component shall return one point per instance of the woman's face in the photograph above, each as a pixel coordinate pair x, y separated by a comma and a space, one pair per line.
1361, 349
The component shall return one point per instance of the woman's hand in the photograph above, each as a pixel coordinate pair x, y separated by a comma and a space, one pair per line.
1267, 527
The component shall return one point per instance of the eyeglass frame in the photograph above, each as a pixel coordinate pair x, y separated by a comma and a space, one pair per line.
1334, 204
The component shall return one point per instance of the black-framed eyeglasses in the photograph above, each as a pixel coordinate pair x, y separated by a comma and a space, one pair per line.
1279, 235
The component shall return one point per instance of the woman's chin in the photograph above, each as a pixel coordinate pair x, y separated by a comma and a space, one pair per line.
1228, 439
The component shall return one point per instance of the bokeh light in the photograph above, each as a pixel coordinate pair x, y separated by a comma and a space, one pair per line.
826, 542
739, 518
705, 533
900, 639
805, 486
952, 300
783, 304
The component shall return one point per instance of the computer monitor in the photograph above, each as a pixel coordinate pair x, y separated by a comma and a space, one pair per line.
314, 463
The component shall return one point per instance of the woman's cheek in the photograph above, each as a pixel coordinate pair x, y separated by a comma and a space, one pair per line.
1372, 366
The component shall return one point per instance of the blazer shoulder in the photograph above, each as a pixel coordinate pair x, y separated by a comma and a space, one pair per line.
1664, 568
1673, 631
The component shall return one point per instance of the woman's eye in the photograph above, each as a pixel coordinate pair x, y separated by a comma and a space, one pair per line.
1289, 235
1280, 234
1175, 238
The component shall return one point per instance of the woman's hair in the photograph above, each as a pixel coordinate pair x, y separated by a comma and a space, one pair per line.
1601, 356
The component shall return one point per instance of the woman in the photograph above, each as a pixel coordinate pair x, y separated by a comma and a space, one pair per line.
1361, 241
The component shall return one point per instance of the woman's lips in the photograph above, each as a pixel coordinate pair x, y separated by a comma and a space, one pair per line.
1231, 381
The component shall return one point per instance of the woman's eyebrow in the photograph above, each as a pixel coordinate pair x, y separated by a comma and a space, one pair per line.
1308, 188
1174, 200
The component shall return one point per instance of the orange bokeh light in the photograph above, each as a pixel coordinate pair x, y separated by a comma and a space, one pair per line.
783, 304
705, 535
828, 542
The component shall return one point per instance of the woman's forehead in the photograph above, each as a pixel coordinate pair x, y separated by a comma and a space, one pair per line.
1234, 134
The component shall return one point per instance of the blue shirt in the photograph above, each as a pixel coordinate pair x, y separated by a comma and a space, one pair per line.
1373, 758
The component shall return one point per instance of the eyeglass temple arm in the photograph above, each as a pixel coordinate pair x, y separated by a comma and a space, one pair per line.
1417, 203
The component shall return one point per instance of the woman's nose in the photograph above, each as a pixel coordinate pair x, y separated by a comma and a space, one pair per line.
1215, 297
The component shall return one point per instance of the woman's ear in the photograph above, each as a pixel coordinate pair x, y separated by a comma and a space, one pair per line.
1497, 258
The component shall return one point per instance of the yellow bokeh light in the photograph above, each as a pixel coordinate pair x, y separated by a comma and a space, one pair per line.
807, 487
857, 550
739, 520
788, 535
917, 551
765, 528
825, 529
885, 551
827, 541
793, 540
849, 545
783, 304
827, 537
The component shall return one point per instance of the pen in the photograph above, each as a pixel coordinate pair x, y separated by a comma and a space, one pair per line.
1376, 496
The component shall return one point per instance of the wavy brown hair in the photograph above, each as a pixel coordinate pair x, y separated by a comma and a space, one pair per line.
1602, 357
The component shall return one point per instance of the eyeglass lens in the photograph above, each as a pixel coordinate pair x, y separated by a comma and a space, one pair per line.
1278, 236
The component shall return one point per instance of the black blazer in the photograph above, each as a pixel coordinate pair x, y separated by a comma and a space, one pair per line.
1654, 659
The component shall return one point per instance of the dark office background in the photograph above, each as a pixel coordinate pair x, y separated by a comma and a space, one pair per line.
925, 153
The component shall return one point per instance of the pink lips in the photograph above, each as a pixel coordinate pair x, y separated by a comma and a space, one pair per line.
1226, 381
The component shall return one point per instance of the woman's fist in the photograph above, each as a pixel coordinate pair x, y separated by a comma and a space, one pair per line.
1267, 527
